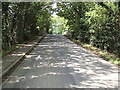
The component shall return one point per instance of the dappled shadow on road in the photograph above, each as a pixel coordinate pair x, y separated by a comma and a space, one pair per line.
12, 57
59, 63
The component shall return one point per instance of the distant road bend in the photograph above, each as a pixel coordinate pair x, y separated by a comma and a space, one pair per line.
57, 62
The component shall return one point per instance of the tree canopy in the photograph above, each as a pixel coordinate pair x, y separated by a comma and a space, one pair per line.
95, 23
23, 21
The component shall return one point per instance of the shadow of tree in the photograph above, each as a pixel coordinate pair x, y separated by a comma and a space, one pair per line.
57, 62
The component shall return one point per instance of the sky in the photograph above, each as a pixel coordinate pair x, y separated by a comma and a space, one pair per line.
53, 7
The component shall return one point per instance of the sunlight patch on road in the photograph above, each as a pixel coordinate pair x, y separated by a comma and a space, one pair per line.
33, 76
20, 54
29, 56
38, 57
26, 67
28, 45
16, 79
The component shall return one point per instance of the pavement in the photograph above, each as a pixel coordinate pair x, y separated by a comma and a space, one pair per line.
9, 60
57, 62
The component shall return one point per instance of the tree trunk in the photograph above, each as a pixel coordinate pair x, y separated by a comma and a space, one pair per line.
20, 29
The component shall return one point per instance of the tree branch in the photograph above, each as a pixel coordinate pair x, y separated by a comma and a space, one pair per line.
106, 7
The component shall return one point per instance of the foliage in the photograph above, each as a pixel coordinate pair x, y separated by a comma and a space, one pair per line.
58, 25
95, 23
20, 21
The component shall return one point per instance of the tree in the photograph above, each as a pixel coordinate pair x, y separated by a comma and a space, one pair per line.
96, 23
20, 21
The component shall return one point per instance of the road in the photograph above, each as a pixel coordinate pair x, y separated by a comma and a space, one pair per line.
57, 62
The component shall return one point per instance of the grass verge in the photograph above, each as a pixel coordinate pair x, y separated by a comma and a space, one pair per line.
102, 53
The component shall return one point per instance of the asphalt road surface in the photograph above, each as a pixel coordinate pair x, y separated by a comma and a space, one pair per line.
57, 62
